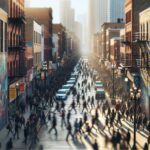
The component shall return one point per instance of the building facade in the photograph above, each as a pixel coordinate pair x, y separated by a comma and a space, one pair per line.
34, 40
105, 26
67, 15
110, 33
60, 30
43, 16
144, 27
115, 51
3, 68
132, 10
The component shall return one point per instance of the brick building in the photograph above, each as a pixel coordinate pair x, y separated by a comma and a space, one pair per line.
43, 16
104, 27
60, 30
132, 10
110, 33
16, 40
144, 27
115, 51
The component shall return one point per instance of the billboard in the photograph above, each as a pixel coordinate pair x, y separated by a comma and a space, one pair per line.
3, 89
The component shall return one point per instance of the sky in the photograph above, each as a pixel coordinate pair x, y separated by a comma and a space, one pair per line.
80, 7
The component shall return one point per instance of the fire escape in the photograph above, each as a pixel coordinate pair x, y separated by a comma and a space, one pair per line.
16, 44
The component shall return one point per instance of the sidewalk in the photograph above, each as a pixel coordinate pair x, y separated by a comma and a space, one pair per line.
17, 143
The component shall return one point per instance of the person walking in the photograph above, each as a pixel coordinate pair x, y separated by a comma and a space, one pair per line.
73, 106
95, 145
128, 137
84, 106
9, 128
9, 144
54, 124
63, 114
26, 133
69, 129
16, 130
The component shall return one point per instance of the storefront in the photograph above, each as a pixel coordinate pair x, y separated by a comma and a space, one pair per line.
145, 87
17, 95
3, 69
3, 90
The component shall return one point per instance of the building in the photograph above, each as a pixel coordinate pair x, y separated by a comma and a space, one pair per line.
3, 68
132, 10
60, 30
34, 50
125, 54
115, 51
105, 26
56, 46
105, 11
144, 27
110, 33
67, 15
116, 10
78, 31
43, 16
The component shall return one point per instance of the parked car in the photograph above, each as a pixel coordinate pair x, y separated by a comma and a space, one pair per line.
62, 94
100, 94
68, 87
71, 82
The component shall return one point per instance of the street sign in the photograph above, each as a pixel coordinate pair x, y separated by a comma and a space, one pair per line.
21, 87
12, 94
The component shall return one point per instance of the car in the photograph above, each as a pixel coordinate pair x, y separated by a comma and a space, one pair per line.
62, 94
98, 84
71, 82
73, 78
100, 94
67, 87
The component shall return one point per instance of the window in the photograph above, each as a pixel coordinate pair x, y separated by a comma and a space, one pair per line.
128, 16
1, 35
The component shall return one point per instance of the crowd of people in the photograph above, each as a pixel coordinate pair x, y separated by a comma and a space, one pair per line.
83, 102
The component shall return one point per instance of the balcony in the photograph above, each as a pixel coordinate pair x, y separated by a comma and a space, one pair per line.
17, 47
17, 20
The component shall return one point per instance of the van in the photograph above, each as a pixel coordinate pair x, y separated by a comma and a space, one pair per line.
100, 93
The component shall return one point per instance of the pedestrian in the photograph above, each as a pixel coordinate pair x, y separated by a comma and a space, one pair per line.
84, 106
63, 114
68, 116
9, 144
76, 128
9, 128
54, 124
114, 140
73, 106
26, 133
118, 136
128, 137
145, 146
95, 145
69, 129
16, 130
78, 100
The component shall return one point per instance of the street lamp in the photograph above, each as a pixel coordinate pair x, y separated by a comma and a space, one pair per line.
17, 92
45, 70
113, 69
135, 95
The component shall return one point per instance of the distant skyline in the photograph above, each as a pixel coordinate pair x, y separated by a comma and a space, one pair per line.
80, 7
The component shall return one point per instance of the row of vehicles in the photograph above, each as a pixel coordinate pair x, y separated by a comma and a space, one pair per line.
65, 90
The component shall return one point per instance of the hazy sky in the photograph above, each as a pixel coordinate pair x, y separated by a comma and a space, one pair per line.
80, 6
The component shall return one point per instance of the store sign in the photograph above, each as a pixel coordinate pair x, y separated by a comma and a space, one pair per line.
12, 94
21, 87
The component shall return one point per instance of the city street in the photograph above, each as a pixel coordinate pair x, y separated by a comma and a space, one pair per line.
49, 141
